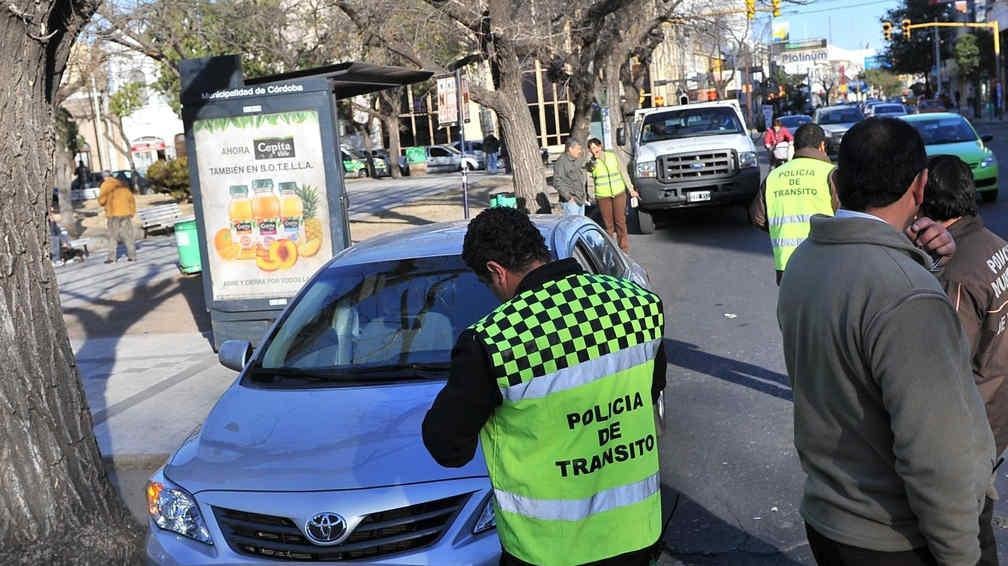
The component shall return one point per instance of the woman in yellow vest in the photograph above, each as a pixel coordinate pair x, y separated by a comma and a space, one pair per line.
611, 189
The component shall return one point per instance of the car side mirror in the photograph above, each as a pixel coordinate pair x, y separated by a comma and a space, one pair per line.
234, 354
986, 138
621, 136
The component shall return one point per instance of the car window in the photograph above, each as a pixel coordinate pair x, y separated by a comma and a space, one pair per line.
393, 313
936, 131
584, 257
603, 252
839, 116
439, 152
889, 109
689, 122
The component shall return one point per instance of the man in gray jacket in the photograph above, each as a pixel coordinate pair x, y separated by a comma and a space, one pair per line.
569, 179
889, 426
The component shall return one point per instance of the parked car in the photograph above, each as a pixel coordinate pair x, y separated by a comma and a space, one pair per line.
885, 109
794, 121
385, 167
931, 105
442, 159
352, 166
836, 120
137, 181
474, 149
314, 453
948, 133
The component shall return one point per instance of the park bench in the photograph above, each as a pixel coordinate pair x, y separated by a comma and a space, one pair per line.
162, 216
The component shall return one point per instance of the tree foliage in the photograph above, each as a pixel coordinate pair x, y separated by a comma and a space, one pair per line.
883, 80
916, 55
967, 55
127, 100
171, 177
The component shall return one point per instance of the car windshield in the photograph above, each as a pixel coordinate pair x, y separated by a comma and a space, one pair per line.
840, 116
688, 123
945, 130
354, 320
792, 122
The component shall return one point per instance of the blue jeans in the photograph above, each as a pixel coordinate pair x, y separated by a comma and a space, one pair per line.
492, 162
571, 208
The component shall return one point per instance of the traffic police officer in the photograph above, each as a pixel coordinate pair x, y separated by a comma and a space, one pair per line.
793, 192
558, 383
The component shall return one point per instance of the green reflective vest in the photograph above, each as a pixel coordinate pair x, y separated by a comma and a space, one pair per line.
607, 177
794, 192
573, 450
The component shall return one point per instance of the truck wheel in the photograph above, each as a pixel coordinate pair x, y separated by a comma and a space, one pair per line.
645, 222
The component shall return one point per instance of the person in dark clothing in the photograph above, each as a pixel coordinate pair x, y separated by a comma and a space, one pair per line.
974, 278
491, 147
508, 400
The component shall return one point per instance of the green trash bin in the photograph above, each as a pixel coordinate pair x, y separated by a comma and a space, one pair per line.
503, 200
187, 242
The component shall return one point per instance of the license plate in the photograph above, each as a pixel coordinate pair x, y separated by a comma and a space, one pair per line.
698, 196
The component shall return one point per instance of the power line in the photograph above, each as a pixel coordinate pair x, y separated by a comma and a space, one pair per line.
799, 12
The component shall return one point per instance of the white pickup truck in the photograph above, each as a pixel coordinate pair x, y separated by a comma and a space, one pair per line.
692, 155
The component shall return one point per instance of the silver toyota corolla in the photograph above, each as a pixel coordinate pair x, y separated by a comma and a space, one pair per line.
314, 453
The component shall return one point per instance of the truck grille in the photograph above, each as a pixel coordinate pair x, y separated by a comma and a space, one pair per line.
378, 534
692, 166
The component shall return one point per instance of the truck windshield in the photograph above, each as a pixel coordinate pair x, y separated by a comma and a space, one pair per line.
355, 319
688, 123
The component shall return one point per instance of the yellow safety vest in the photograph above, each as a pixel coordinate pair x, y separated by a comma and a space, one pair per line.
607, 177
794, 192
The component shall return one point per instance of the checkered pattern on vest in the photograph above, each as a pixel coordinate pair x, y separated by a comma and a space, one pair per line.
566, 322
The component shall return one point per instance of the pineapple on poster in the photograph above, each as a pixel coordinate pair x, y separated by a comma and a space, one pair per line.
265, 207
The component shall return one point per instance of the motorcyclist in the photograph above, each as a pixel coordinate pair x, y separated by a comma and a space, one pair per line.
773, 136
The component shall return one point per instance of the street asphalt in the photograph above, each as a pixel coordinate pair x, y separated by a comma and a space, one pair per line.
729, 466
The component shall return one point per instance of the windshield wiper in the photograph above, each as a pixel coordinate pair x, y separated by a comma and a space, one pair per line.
391, 372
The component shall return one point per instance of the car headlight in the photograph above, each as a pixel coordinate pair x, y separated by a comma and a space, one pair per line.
988, 161
748, 159
173, 509
646, 169
487, 520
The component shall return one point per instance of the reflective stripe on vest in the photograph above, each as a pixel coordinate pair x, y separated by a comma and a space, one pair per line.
606, 176
795, 192
576, 510
572, 451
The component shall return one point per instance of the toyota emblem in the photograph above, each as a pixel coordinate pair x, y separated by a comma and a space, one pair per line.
326, 528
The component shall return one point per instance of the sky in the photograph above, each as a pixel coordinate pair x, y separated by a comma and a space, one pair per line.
849, 23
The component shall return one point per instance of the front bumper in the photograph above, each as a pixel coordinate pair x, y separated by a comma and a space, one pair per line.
739, 188
986, 178
457, 545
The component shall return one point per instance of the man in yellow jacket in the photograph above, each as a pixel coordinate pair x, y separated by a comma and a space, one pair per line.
120, 206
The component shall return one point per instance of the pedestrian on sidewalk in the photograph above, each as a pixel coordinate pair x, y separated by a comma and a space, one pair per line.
120, 207
611, 187
491, 147
521, 391
973, 280
889, 426
794, 192
569, 179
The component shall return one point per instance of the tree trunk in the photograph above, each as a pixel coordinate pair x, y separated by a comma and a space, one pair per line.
65, 168
57, 505
388, 104
129, 149
582, 90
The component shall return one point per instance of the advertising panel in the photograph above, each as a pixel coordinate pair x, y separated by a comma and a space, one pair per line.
264, 202
447, 106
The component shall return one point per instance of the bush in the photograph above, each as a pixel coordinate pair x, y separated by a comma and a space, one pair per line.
171, 177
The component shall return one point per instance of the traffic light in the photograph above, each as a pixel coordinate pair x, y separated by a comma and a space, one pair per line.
905, 24
887, 30
775, 4
750, 9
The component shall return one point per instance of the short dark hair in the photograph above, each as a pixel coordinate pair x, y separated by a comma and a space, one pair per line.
809, 135
595, 141
950, 192
878, 160
504, 235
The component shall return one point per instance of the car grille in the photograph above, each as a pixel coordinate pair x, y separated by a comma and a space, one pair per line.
378, 534
691, 166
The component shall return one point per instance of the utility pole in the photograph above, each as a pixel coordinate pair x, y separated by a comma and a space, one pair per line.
461, 129
96, 112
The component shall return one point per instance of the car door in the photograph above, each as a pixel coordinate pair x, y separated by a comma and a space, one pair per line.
438, 158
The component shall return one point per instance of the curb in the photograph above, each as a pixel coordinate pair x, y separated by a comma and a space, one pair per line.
135, 461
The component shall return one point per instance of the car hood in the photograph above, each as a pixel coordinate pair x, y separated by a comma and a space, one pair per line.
836, 128
738, 142
972, 152
314, 440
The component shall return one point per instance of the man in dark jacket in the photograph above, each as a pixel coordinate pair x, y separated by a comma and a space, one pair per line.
569, 179
976, 280
513, 384
491, 148
889, 426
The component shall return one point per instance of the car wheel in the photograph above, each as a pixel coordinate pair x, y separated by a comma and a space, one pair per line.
645, 222
989, 196
361, 173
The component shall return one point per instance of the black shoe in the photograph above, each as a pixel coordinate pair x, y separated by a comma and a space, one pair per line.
109, 261
129, 259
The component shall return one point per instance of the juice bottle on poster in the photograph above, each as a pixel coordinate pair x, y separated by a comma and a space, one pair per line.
266, 211
241, 220
291, 211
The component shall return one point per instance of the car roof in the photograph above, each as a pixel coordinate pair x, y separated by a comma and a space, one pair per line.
931, 116
445, 239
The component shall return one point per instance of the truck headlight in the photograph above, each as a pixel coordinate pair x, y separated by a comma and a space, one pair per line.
487, 520
646, 169
747, 159
173, 509
988, 161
